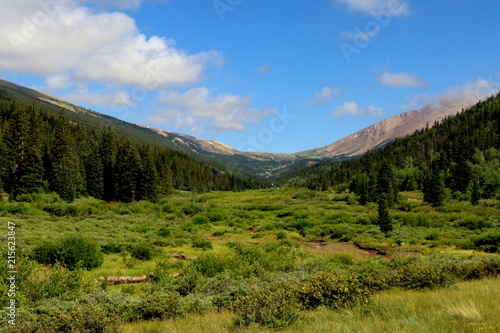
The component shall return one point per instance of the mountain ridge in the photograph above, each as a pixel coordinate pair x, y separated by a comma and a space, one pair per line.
261, 163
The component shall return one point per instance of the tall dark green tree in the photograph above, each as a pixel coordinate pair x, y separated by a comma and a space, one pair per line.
23, 148
127, 172
108, 148
65, 163
433, 188
386, 184
94, 173
475, 194
148, 178
384, 218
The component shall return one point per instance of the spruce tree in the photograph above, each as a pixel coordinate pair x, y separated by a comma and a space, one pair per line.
107, 155
149, 181
127, 171
433, 188
65, 163
386, 184
384, 219
475, 194
23, 148
94, 170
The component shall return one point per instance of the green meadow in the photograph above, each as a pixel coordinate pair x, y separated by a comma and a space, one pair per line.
289, 259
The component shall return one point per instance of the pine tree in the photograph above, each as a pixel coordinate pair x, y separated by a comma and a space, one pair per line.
65, 164
384, 219
127, 171
107, 155
23, 160
475, 195
94, 170
386, 184
149, 181
433, 188
251, 183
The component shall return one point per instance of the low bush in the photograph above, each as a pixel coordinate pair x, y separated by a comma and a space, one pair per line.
157, 306
200, 219
143, 251
489, 242
333, 291
272, 308
72, 252
203, 244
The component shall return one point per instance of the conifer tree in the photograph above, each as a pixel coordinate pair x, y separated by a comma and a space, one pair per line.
65, 166
384, 219
386, 184
475, 194
127, 170
94, 170
24, 167
433, 188
149, 181
107, 154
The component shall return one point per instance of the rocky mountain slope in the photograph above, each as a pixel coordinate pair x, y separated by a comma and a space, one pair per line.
263, 164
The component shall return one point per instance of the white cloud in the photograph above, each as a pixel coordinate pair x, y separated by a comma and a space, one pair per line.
121, 4
91, 47
113, 99
401, 80
470, 92
352, 108
200, 110
324, 95
394, 7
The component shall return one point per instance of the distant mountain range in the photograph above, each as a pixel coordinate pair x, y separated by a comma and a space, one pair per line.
259, 163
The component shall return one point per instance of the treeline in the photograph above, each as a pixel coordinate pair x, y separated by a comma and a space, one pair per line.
462, 154
43, 153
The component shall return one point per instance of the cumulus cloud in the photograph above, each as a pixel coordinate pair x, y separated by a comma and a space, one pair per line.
121, 4
470, 92
395, 7
352, 108
401, 80
324, 95
108, 99
64, 37
200, 110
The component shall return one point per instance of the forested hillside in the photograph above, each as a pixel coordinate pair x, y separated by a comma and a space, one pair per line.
460, 154
40, 152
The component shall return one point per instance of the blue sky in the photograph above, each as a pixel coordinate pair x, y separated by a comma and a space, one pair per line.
276, 76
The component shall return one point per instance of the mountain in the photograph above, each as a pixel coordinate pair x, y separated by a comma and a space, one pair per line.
385, 131
258, 163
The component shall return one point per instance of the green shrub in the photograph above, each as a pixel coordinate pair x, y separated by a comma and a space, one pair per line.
416, 273
111, 248
158, 306
200, 219
72, 252
473, 223
201, 243
272, 308
281, 235
191, 210
333, 291
489, 242
36, 281
164, 232
215, 217
143, 251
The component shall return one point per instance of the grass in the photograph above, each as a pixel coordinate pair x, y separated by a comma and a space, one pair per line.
328, 232
466, 307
